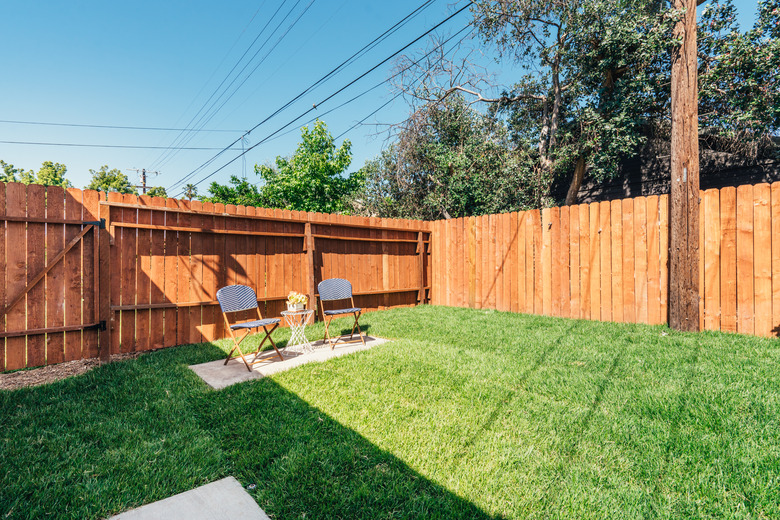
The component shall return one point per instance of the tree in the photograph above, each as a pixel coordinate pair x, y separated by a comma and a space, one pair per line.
110, 181
9, 172
190, 191
157, 191
240, 193
448, 161
311, 180
53, 174
739, 96
50, 174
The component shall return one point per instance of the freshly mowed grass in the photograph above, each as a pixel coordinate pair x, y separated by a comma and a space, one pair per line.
468, 414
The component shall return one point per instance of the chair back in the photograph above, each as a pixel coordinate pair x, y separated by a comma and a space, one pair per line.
334, 289
235, 298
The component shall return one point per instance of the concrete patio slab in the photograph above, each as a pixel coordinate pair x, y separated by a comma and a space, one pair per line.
224, 499
218, 375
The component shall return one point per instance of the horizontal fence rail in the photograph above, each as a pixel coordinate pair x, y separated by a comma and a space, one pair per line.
85, 274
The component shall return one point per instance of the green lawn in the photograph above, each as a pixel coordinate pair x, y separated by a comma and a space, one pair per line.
468, 414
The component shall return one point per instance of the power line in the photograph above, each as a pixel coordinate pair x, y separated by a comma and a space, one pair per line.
115, 127
211, 112
190, 124
80, 145
324, 100
398, 24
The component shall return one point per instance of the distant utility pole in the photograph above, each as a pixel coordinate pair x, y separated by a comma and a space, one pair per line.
142, 173
684, 239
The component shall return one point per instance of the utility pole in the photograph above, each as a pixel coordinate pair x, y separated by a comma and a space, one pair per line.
684, 240
142, 173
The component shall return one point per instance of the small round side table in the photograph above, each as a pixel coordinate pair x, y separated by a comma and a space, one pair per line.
297, 322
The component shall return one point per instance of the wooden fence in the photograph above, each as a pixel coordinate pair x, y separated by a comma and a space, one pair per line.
85, 275
609, 260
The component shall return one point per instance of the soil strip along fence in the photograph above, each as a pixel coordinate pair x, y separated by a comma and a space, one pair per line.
86, 275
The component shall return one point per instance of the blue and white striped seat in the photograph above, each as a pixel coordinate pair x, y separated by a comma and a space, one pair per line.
238, 298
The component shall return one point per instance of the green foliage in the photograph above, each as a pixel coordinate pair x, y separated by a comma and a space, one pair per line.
53, 174
190, 191
448, 161
739, 96
110, 181
157, 191
311, 180
240, 192
50, 174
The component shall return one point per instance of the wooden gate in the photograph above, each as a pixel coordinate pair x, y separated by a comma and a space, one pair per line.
49, 296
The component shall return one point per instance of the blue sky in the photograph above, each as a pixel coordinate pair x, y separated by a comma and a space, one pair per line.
155, 64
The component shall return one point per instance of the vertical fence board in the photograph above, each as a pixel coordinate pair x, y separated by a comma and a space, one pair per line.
471, 230
711, 264
616, 237
55, 278
565, 295
522, 289
556, 257
16, 274
745, 319
762, 252
574, 262
653, 263
506, 270
605, 260
728, 259
196, 273
585, 262
547, 261
640, 258
143, 266
663, 250
538, 271
74, 209
91, 213
158, 276
775, 209
36, 262
629, 284
594, 259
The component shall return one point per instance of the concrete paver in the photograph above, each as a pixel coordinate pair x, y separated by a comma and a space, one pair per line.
218, 375
224, 499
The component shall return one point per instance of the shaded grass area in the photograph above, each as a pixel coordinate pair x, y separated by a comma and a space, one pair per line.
468, 414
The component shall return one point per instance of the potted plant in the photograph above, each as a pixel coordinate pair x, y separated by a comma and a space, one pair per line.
296, 301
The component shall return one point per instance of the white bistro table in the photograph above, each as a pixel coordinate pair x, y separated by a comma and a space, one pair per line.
297, 321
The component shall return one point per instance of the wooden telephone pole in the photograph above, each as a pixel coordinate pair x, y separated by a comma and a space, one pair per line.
684, 239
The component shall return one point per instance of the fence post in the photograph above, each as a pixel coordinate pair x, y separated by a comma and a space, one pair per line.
309, 239
103, 265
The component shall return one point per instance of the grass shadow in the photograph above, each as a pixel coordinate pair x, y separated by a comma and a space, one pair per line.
134, 432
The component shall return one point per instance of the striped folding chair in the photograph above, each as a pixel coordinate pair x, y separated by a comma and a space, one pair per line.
338, 289
237, 298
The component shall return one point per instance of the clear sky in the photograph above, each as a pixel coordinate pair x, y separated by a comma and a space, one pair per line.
223, 67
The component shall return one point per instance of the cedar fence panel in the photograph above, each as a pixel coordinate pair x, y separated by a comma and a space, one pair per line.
165, 259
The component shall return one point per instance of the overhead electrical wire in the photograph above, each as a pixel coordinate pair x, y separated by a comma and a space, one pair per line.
115, 127
323, 79
91, 145
211, 111
314, 85
190, 124
361, 76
